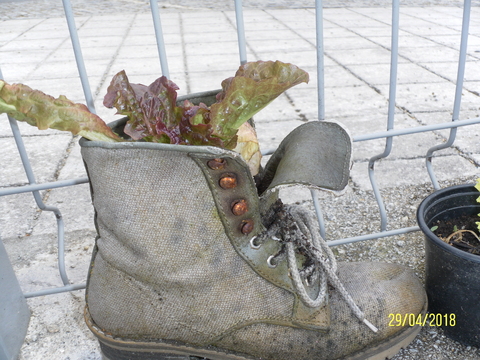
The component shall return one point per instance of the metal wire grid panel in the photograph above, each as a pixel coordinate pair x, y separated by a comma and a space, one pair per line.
389, 134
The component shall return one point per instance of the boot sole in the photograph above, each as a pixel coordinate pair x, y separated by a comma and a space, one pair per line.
114, 348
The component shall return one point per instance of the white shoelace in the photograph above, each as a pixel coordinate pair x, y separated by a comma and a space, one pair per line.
296, 228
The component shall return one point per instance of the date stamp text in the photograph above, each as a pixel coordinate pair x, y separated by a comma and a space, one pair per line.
422, 319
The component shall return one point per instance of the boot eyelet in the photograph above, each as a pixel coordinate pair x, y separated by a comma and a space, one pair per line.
217, 164
252, 244
239, 207
269, 262
228, 181
247, 226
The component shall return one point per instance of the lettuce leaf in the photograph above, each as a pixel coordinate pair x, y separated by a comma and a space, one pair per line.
145, 106
153, 114
44, 111
254, 86
248, 147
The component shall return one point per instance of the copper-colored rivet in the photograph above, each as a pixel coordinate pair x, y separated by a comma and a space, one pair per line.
239, 207
247, 226
228, 181
217, 164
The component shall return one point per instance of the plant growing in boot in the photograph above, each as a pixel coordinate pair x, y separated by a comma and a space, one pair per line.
153, 113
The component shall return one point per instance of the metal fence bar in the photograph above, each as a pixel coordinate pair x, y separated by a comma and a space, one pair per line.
402, 132
416, 130
320, 53
458, 93
157, 24
38, 199
82, 71
56, 290
44, 186
242, 43
373, 236
391, 114
319, 213
34, 187
320, 59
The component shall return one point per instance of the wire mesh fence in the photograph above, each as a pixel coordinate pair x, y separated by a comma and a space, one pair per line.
388, 134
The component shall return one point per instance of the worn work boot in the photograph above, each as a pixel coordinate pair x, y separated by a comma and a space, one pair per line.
193, 258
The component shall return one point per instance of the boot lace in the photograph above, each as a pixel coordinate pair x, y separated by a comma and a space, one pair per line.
296, 229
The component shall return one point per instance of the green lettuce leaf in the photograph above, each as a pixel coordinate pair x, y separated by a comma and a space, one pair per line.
254, 86
44, 111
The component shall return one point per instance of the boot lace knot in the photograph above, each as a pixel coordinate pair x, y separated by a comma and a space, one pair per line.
297, 230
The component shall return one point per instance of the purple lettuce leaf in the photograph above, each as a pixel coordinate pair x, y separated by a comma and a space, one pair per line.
154, 116
194, 125
145, 106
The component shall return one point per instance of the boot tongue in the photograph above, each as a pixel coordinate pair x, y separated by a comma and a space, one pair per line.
316, 154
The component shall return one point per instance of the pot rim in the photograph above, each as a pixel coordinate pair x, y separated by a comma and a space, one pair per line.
429, 234
212, 150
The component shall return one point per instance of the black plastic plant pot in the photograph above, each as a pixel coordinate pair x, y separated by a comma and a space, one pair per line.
452, 276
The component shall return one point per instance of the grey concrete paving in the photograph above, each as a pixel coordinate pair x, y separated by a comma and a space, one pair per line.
202, 50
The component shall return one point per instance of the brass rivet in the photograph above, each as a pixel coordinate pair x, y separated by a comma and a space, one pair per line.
239, 207
247, 226
217, 164
228, 181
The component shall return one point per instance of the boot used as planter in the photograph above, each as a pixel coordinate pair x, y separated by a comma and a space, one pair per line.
452, 276
194, 255
193, 259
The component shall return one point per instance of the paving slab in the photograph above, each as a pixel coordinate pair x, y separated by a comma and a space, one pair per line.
44, 163
22, 212
394, 173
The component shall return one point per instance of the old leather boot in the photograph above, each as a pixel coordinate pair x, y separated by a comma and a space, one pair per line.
191, 261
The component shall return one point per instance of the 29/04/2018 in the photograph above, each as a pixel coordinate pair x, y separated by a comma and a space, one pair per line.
422, 319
